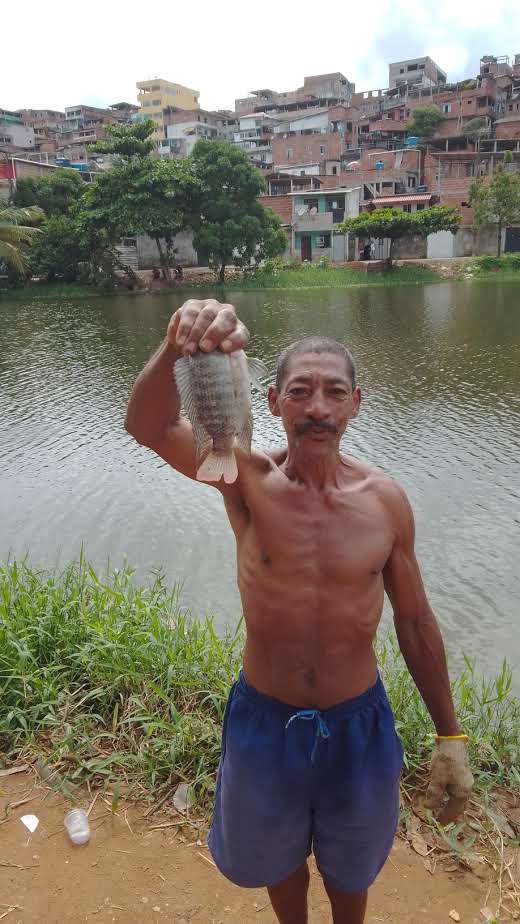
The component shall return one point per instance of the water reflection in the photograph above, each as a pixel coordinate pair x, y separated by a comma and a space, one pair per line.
440, 373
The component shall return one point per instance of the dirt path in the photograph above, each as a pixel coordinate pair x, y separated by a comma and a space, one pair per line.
133, 875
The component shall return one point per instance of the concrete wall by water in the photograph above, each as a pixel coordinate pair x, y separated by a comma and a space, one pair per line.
148, 255
464, 243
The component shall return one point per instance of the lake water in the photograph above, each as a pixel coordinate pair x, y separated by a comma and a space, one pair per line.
439, 367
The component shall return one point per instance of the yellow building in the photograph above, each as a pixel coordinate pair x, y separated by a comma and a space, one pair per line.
156, 95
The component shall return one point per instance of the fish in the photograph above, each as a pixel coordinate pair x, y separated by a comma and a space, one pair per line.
215, 392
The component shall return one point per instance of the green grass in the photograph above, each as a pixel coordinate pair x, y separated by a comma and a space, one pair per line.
49, 290
314, 276
506, 266
107, 680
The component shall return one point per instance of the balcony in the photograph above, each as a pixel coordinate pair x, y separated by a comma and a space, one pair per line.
321, 221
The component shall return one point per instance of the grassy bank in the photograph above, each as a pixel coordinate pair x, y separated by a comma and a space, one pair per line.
49, 290
109, 683
301, 277
314, 276
506, 267
110, 680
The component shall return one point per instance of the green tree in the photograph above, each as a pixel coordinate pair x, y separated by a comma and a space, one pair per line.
436, 218
141, 195
59, 249
496, 201
424, 122
230, 224
17, 233
474, 128
55, 193
395, 224
127, 140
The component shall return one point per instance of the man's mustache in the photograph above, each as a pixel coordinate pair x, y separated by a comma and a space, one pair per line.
316, 425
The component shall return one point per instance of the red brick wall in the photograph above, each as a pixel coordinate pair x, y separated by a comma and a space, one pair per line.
509, 129
281, 206
305, 149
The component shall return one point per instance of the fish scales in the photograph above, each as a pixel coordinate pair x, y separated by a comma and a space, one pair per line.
215, 390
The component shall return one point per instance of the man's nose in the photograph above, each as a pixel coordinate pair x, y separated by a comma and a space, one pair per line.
317, 407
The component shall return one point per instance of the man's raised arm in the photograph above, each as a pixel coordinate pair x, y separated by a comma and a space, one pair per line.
153, 413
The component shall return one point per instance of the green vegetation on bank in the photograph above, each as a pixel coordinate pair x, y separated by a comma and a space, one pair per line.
279, 275
213, 193
105, 680
508, 263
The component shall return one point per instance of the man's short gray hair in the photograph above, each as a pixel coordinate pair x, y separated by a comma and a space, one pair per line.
314, 344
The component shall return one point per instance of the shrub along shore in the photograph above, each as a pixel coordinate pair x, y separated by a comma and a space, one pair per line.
111, 683
276, 274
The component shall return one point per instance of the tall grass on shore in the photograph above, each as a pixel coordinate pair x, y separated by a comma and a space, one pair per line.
318, 276
106, 680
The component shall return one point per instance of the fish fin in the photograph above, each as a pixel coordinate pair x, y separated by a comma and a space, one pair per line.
257, 371
201, 439
243, 438
219, 465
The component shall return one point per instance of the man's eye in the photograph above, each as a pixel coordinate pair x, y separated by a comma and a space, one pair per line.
338, 392
296, 392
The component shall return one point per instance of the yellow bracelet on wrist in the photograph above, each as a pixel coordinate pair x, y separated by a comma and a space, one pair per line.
451, 738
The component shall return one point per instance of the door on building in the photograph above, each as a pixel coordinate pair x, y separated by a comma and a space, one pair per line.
512, 244
306, 247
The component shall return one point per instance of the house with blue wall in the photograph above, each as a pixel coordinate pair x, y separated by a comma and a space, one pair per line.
315, 215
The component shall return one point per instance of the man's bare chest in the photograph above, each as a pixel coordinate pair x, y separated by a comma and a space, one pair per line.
339, 538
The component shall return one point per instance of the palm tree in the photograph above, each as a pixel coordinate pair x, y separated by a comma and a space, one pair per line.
15, 232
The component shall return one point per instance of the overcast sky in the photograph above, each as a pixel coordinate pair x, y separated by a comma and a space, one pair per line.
58, 54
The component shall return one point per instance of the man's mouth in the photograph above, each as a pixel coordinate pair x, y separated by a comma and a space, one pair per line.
315, 429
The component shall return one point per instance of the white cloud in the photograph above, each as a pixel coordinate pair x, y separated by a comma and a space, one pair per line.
226, 49
454, 59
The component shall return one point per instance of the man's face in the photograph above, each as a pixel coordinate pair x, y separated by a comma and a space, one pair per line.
315, 401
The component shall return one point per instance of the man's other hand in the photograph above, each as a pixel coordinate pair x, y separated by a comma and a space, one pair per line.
206, 325
449, 773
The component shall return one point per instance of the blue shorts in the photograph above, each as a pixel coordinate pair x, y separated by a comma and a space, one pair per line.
292, 781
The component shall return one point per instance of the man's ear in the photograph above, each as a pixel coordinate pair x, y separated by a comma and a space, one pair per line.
273, 400
356, 401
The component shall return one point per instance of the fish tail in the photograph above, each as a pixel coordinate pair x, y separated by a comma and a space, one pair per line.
219, 465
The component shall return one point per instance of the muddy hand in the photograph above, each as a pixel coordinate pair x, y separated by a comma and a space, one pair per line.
449, 773
206, 325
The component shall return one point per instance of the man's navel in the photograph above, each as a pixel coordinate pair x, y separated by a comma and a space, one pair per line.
309, 676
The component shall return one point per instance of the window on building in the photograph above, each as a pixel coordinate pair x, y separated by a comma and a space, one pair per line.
411, 67
411, 182
334, 171
421, 67
446, 107
322, 240
289, 153
401, 70
156, 102
322, 149
510, 107
407, 207
420, 206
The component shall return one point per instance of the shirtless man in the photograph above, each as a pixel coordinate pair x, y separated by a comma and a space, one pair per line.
310, 757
